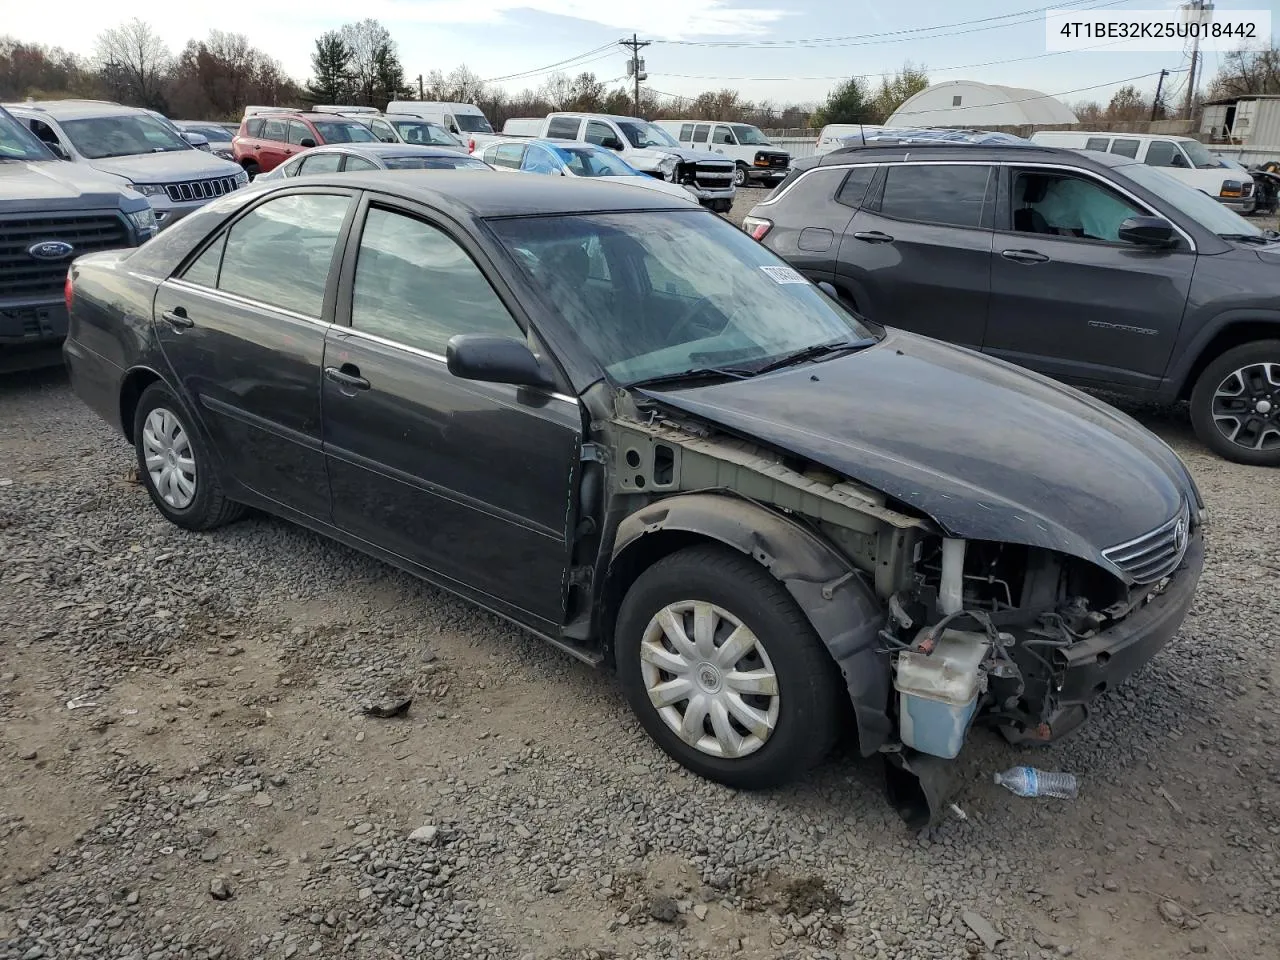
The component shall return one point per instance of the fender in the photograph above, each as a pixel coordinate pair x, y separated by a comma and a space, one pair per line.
839, 604
1180, 367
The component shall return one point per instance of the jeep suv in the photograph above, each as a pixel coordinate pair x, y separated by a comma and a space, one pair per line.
1091, 268
52, 212
267, 140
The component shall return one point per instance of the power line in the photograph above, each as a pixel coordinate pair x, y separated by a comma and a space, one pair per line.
898, 36
553, 66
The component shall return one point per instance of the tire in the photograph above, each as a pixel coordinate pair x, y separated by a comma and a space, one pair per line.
740, 176
189, 496
805, 711
252, 169
1253, 371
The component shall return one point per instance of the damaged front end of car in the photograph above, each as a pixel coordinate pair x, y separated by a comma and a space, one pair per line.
933, 633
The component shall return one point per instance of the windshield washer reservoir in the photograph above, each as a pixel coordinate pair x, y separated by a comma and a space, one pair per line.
938, 692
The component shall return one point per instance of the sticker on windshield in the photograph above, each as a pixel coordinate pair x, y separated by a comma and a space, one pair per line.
784, 275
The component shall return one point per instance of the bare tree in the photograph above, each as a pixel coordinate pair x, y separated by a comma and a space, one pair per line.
133, 60
1246, 72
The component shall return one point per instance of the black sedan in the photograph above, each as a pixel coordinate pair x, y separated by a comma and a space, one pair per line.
364, 157
619, 422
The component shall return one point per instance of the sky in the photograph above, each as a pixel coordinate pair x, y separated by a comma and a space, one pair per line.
499, 38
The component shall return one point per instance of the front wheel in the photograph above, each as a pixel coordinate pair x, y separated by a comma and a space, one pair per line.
723, 670
740, 177
252, 169
1235, 406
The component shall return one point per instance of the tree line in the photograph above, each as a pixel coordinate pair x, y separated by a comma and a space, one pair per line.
359, 64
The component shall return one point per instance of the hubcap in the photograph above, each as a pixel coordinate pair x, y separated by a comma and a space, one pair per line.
709, 678
170, 461
1246, 406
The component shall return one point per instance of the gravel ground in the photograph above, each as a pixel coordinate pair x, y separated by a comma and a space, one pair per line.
187, 770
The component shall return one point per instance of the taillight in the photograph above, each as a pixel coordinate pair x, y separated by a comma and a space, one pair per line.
67, 290
756, 228
471, 145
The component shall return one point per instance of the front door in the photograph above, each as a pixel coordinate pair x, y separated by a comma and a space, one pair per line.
470, 480
918, 253
1068, 297
246, 349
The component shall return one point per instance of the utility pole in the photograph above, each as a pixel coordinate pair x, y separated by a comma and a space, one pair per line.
421, 95
636, 67
1155, 104
1199, 8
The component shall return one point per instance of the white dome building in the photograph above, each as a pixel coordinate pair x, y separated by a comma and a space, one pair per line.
966, 103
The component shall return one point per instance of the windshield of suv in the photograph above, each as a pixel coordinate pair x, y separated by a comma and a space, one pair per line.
594, 162
19, 143
642, 134
749, 136
427, 134
459, 162
211, 132
658, 294
1201, 207
122, 136
344, 131
1199, 155
472, 123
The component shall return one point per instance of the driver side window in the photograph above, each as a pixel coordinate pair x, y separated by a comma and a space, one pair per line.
1164, 153
1066, 206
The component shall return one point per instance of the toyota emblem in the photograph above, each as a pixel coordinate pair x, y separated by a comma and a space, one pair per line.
51, 250
1180, 535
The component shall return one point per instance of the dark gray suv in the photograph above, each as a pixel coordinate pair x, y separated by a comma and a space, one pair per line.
1089, 267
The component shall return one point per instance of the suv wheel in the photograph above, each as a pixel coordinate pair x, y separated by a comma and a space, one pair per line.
252, 169
740, 178
1235, 406
174, 466
724, 671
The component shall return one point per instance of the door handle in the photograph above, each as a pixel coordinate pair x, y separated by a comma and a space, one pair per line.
348, 376
1024, 256
178, 319
873, 236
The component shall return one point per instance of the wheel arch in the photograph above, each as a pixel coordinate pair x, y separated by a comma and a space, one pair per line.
131, 389
837, 602
1225, 333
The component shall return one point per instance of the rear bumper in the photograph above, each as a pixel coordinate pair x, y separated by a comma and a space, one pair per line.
95, 380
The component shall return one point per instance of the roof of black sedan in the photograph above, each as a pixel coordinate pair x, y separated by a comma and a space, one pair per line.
486, 193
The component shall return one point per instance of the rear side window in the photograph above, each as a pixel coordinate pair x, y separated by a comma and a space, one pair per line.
355, 164
1097, 143
950, 194
253, 128
1125, 148
563, 128
686, 132
291, 236
321, 163
508, 155
855, 186
274, 130
700, 133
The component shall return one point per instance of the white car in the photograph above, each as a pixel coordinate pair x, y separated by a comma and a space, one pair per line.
754, 155
570, 158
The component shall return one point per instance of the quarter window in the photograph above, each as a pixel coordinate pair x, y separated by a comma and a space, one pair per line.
253, 128
280, 252
855, 186
1125, 148
946, 194
563, 128
416, 286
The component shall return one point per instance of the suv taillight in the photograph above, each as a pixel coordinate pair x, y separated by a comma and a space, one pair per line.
67, 290
756, 228
471, 145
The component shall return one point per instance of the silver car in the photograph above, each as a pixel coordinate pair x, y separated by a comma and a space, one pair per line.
362, 157
142, 151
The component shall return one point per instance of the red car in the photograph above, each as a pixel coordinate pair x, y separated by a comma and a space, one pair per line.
267, 140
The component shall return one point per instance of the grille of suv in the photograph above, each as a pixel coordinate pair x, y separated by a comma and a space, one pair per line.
199, 189
713, 176
1154, 555
22, 276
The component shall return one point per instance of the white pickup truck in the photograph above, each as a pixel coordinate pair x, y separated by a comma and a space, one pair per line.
645, 146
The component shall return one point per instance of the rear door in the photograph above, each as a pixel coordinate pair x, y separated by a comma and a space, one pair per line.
469, 480
245, 346
273, 145
1068, 297
919, 249
811, 220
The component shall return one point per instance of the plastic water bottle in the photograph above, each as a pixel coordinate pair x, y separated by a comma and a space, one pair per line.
1030, 782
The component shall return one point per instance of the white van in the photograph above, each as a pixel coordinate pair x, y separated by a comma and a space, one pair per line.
460, 119
832, 136
1182, 158
742, 143
522, 127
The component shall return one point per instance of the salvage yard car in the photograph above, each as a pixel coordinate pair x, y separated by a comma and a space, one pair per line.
567, 158
1092, 268
358, 157
614, 419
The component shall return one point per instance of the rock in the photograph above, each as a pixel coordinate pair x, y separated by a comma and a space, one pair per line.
209, 855
35, 953
663, 909
980, 926
391, 707
1199, 948
262, 800
362, 828
279, 780
425, 834
1110, 885
220, 888
700, 911
27, 755
1171, 911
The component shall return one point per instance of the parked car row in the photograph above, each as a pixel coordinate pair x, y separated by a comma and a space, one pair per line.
613, 418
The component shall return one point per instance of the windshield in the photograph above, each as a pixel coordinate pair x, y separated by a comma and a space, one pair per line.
472, 123
749, 136
19, 143
428, 134
642, 134
659, 293
122, 136
1200, 207
213, 133
434, 163
344, 131
1199, 155
594, 162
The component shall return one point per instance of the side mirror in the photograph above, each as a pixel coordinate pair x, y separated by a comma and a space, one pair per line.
612, 143
828, 289
495, 360
306, 142
195, 139
1147, 231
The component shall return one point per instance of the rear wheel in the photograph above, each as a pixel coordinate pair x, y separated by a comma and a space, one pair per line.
1235, 406
252, 169
740, 177
724, 671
